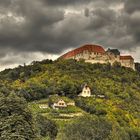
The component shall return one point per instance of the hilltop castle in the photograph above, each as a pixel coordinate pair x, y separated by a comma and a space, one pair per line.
97, 54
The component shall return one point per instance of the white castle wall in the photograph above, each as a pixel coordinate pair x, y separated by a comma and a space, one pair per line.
128, 63
94, 57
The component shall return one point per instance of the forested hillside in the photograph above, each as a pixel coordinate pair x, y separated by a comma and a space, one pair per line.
116, 116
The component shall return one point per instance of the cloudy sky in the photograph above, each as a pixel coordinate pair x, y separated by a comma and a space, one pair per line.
40, 29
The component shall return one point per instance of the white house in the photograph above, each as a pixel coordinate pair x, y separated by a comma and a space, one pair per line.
86, 92
59, 104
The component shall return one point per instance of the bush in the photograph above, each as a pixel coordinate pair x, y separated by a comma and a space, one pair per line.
88, 128
46, 127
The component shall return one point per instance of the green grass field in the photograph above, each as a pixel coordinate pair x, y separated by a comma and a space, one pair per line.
62, 117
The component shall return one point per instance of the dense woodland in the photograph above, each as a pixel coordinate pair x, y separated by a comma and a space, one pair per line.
114, 117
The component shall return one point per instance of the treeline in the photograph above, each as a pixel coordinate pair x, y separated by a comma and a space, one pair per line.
115, 116
24, 72
67, 77
18, 123
98, 128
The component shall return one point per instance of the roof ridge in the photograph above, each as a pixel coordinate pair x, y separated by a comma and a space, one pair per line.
89, 47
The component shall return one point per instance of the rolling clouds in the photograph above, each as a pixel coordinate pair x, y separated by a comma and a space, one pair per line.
37, 29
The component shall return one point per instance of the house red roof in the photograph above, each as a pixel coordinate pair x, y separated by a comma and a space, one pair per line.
89, 47
126, 57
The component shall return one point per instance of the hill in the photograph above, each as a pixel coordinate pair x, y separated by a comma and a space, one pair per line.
119, 109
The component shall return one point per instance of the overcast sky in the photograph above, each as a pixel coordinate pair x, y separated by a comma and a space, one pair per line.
40, 29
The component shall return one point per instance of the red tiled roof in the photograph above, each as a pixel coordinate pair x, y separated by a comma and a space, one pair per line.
126, 57
90, 48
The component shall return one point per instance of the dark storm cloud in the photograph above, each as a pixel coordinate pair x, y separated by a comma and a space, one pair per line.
5, 2
86, 11
39, 30
132, 6
101, 18
78, 2
134, 25
132, 9
33, 33
54, 26
66, 2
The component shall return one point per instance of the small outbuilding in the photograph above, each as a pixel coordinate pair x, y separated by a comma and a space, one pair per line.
59, 104
43, 106
71, 104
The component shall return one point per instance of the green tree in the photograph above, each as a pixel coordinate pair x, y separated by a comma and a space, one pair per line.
88, 128
16, 121
46, 127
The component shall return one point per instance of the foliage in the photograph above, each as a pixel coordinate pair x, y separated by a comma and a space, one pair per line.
16, 121
119, 85
46, 127
137, 66
88, 128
